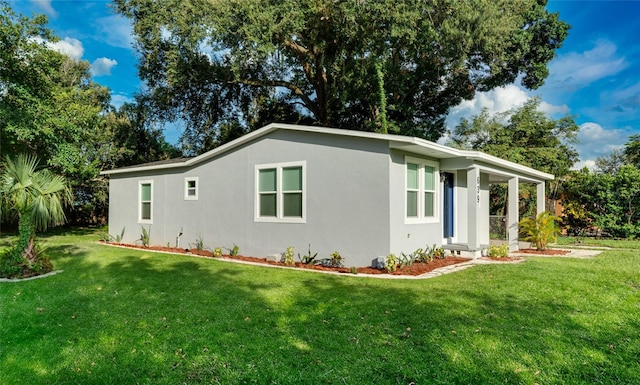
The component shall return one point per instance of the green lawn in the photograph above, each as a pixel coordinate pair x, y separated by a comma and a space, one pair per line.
600, 242
117, 316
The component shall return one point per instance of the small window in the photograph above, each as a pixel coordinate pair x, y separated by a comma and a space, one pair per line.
145, 204
421, 190
280, 193
191, 189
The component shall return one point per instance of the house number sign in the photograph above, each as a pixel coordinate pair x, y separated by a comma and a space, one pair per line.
478, 191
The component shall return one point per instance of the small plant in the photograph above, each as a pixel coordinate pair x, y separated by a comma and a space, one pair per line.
288, 256
145, 236
391, 263
118, 237
234, 250
308, 259
437, 252
406, 260
217, 252
108, 238
501, 251
199, 245
541, 230
353, 270
422, 256
335, 259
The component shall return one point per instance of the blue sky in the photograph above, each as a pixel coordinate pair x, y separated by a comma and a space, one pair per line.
595, 76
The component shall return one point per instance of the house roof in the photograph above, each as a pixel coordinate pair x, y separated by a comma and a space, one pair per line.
406, 143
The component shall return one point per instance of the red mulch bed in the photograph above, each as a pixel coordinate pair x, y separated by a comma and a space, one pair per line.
544, 252
415, 269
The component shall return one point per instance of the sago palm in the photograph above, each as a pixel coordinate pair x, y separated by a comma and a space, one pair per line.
541, 230
36, 197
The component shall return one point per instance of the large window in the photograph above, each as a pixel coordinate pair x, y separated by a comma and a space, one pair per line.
191, 189
280, 192
145, 209
421, 190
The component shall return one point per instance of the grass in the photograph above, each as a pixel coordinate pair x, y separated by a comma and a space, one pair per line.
599, 242
117, 316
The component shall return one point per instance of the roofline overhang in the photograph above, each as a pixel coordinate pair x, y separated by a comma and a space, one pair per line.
406, 143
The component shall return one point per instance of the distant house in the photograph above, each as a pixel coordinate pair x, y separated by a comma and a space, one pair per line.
362, 194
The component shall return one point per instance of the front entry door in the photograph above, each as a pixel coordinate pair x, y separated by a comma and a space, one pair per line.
447, 209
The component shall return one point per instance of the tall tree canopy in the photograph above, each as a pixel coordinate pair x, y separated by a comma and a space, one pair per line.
524, 135
350, 64
50, 106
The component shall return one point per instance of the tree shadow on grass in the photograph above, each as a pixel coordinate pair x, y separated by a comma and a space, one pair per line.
140, 318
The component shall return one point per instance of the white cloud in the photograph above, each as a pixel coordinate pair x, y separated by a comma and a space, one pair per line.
46, 7
496, 101
117, 100
595, 141
116, 31
102, 66
576, 70
68, 46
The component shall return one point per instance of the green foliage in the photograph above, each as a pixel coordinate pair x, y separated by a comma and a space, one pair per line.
199, 244
391, 263
348, 64
308, 259
217, 252
499, 251
234, 250
406, 260
118, 237
335, 259
526, 136
145, 236
288, 256
603, 202
541, 230
50, 106
36, 198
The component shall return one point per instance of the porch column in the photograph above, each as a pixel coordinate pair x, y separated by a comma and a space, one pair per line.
540, 198
473, 208
512, 214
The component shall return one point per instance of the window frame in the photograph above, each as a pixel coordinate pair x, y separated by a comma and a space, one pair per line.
141, 202
421, 191
188, 197
280, 192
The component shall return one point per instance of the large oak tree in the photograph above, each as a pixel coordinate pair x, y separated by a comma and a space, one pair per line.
385, 65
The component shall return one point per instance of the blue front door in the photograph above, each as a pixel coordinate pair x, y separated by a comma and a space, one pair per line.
447, 201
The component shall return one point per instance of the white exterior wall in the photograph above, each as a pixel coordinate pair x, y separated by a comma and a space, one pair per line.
346, 193
407, 237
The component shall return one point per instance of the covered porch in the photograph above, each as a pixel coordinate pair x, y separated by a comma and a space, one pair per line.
466, 200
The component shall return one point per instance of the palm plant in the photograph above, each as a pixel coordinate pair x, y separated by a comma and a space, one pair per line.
36, 198
541, 230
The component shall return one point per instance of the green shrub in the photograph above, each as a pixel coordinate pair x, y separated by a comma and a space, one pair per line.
541, 230
199, 245
145, 236
391, 263
234, 250
308, 259
335, 259
217, 252
288, 256
501, 251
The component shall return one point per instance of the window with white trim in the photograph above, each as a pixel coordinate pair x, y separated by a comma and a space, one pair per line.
280, 192
145, 202
421, 190
191, 189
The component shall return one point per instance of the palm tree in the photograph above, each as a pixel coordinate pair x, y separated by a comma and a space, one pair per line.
36, 197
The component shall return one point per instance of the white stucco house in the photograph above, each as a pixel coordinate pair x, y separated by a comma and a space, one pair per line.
363, 194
